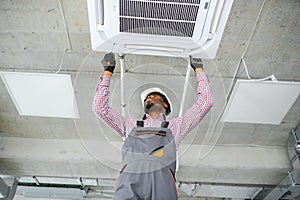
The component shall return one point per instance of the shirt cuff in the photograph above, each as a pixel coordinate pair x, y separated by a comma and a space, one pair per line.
104, 81
202, 76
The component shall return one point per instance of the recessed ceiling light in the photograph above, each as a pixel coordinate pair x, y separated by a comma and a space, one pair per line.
41, 94
263, 102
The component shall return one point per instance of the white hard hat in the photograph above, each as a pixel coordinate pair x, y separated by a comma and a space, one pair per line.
148, 91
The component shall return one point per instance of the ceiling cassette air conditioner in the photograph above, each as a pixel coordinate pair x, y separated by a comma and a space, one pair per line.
158, 27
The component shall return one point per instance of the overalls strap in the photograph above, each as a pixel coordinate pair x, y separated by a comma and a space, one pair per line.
165, 124
140, 123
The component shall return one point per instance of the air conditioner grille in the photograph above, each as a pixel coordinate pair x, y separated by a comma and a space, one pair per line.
172, 18
159, 11
157, 27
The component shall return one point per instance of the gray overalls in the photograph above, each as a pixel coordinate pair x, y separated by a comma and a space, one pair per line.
149, 162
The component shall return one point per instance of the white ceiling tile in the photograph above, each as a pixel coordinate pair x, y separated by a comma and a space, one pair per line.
41, 94
262, 102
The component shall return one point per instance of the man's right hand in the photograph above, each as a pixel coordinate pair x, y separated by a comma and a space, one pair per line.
109, 62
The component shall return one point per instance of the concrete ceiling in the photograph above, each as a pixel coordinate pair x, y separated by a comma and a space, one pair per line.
34, 39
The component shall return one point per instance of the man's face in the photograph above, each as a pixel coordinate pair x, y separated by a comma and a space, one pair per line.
154, 99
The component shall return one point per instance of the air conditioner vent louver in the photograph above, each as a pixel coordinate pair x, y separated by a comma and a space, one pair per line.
158, 17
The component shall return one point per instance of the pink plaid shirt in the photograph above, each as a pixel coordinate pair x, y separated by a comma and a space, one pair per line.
179, 126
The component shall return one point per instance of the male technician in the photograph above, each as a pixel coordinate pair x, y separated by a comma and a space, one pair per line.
149, 151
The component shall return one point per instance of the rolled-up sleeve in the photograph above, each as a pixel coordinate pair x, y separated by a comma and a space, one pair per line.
181, 126
102, 109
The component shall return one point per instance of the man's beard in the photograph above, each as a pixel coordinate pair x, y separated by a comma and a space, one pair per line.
151, 107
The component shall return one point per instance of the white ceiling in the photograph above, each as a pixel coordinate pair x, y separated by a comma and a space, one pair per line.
34, 39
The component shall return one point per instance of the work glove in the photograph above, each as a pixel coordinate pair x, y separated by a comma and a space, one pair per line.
109, 62
196, 63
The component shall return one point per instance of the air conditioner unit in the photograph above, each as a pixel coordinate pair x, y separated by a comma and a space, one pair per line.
158, 27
